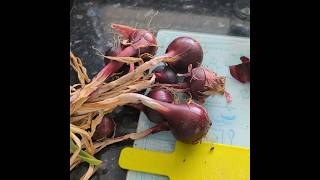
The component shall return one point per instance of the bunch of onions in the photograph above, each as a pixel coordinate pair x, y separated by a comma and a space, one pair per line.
199, 81
189, 122
90, 131
140, 40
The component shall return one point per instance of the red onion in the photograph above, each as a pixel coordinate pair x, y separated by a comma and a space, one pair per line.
160, 95
204, 83
189, 123
105, 129
164, 74
241, 72
187, 51
140, 40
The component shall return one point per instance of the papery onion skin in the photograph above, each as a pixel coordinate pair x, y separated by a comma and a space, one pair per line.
241, 72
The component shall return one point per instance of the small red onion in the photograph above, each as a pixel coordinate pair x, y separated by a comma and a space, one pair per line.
144, 41
188, 122
204, 83
164, 74
140, 40
161, 95
187, 51
105, 129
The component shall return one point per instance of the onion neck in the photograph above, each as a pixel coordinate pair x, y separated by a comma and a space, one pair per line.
128, 52
114, 66
163, 126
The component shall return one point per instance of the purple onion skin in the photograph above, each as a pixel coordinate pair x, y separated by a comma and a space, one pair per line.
160, 95
188, 51
105, 129
241, 72
164, 74
189, 123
